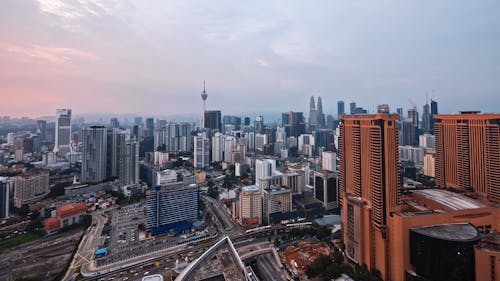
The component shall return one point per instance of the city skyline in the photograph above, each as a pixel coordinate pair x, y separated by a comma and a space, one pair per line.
131, 58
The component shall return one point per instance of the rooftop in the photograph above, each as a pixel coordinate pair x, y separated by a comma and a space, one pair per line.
155, 277
250, 188
71, 209
462, 232
450, 200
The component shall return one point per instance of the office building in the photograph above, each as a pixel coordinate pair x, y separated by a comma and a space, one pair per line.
201, 151
303, 140
150, 127
368, 184
229, 145
232, 120
264, 168
352, 107
426, 119
276, 200
138, 121
329, 161
293, 122
30, 187
434, 110
340, 108
261, 140
11, 138
250, 205
383, 108
171, 207
294, 179
399, 110
5, 184
259, 124
128, 169
94, 154
413, 116
468, 153
213, 120
326, 188
41, 129
62, 144
115, 123
410, 136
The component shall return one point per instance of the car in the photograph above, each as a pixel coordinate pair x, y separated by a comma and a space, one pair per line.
145, 273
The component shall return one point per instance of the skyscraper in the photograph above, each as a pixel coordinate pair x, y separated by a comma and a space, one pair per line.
468, 152
259, 124
94, 154
426, 118
4, 197
264, 168
172, 206
63, 133
409, 133
150, 127
115, 123
352, 107
41, 129
313, 115
201, 151
320, 116
293, 123
413, 115
434, 110
213, 120
128, 168
369, 185
340, 108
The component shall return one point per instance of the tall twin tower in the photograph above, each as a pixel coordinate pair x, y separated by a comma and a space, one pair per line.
316, 115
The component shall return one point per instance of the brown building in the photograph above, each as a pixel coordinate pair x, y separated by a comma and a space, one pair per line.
369, 185
468, 152
488, 258
425, 234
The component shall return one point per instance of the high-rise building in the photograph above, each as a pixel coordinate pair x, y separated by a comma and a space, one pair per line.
409, 132
313, 114
171, 207
320, 116
201, 151
429, 164
426, 119
30, 187
413, 116
41, 129
259, 124
218, 147
115, 123
229, 144
340, 108
138, 121
434, 110
128, 169
295, 180
174, 137
326, 188
468, 152
427, 141
264, 168
369, 185
213, 120
4, 197
150, 127
383, 108
352, 107
293, 123
62, 144
94, 154
399, 110
276, 200
250, 205
261, 140
232, 120
329, 161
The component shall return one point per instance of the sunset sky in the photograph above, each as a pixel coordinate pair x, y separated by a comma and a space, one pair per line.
151, 57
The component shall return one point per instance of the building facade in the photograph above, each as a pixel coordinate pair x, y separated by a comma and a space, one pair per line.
30, 187
62, 144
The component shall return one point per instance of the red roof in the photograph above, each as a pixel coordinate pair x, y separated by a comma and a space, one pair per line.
51, 223
71, 209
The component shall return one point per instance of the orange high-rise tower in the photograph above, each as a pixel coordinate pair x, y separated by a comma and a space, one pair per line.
369, 185
468, 152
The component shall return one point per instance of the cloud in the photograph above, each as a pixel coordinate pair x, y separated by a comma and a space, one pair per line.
51, 54
263, 62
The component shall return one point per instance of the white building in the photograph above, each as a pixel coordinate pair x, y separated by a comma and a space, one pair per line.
411, 153
305, 139
201, 151
329, 161
62, 144
264, 168
229, 143
94, 154
260, 141
218, 147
